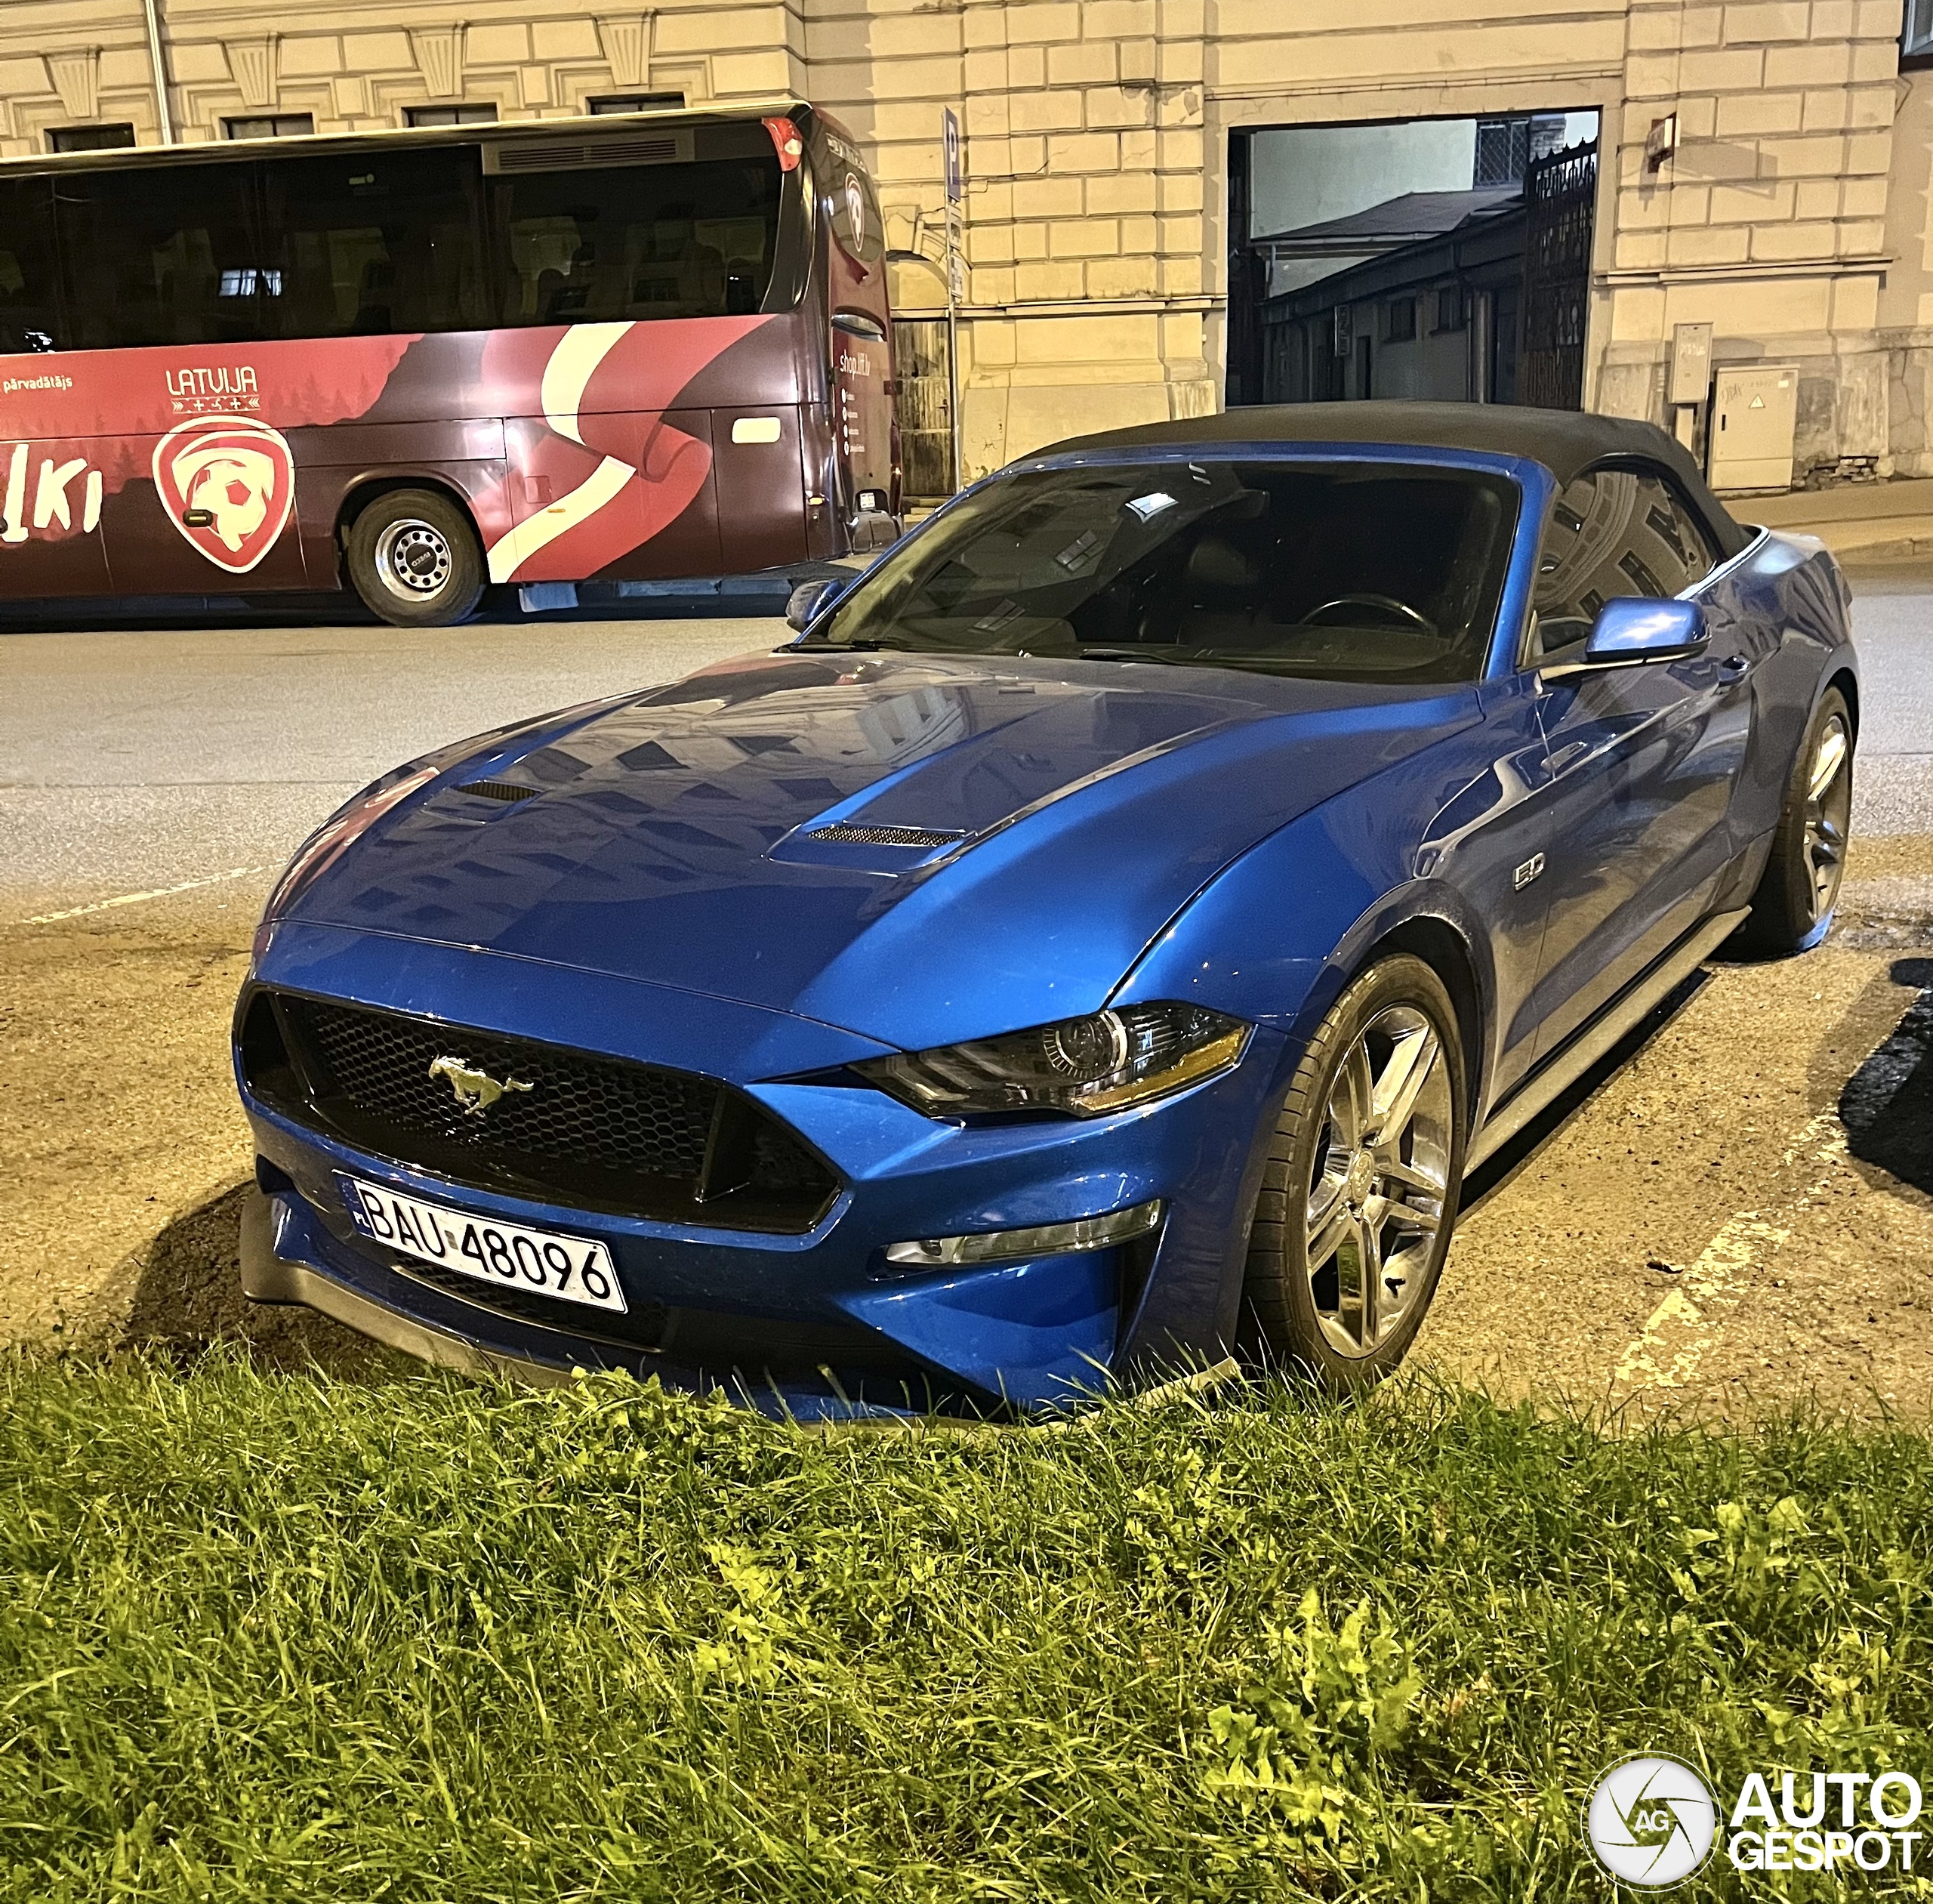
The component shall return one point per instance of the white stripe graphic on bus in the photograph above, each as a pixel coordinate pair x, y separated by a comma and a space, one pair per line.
573, 363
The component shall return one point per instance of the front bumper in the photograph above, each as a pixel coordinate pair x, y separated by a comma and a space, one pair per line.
813, 1324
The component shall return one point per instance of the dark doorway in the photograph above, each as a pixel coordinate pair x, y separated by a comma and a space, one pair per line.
1248, 285
1433, 259
1506, 307
922, 379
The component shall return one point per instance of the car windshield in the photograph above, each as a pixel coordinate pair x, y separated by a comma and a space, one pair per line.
1336, 570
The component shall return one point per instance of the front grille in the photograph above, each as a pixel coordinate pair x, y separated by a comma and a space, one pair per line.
532, 1119
849, 833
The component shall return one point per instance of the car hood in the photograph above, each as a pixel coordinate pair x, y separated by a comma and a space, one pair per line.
915, 848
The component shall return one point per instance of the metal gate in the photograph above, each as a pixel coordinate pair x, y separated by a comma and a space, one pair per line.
1561, 194
924, 407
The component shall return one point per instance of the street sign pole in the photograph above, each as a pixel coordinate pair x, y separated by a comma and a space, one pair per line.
949, 136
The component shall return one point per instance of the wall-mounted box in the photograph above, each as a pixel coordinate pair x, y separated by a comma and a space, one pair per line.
1753, 419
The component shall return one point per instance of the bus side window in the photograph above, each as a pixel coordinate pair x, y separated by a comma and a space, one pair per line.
162, 255
29, 296
374, 243
692, 240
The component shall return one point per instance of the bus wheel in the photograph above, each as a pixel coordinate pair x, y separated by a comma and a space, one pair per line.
416, 560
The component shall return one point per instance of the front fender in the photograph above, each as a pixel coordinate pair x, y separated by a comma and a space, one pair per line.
1276, 935
1274, 938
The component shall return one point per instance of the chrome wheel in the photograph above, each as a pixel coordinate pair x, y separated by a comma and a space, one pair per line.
1376, 1193
1828, 810
414, 559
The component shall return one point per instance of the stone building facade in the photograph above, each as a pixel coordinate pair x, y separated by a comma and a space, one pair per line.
1792, 214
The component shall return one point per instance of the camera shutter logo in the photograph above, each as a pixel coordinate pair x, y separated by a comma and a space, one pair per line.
1651, 1822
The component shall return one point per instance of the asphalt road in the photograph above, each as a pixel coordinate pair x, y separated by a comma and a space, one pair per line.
134, 760
1737, 1206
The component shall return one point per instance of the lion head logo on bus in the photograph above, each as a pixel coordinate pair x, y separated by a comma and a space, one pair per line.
228, 484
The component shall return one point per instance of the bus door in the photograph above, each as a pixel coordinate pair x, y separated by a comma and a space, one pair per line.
864, 427
864, 431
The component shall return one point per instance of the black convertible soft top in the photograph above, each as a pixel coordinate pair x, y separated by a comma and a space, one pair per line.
1566, 442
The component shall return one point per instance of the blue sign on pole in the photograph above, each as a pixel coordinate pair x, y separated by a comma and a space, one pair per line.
949, 140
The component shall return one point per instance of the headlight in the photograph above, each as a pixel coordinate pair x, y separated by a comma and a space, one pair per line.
1106, 1062
333, 838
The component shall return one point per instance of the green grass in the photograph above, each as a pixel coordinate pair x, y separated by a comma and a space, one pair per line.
267, 1636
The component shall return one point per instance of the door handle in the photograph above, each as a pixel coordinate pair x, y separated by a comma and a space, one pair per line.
1734, 667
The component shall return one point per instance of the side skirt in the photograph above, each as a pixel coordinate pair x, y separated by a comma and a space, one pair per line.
1633, 1005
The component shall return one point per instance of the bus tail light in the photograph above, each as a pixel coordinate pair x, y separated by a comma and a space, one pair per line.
785, 139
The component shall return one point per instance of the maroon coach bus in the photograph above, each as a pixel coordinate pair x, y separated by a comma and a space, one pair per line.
654, 344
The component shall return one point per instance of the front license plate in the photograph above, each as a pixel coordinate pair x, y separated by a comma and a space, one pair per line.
541, 1261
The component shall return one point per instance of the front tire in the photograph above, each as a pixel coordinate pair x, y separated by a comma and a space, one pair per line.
1793, 907
1359, 1190
416, 560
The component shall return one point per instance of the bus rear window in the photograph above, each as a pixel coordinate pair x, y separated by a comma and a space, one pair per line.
606, 244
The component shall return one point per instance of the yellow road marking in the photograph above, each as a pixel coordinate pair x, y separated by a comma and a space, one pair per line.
1678, 1333
135, 899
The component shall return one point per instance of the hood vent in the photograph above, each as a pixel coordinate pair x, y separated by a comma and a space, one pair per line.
846, 833
506, 790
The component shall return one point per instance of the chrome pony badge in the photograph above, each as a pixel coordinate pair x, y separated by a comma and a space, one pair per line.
227, 483
476, 1090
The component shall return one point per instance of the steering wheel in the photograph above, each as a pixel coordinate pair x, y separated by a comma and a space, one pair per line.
1388, 604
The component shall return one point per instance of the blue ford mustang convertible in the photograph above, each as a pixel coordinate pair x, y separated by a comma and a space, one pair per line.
1097, 946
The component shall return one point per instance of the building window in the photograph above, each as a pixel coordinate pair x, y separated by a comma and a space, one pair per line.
1505, 146
270, 125
1916, 39
1450, 314
1399, 320
635, 103
485, 115
88, 138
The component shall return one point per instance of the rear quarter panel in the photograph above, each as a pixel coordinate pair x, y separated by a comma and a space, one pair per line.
1781, 604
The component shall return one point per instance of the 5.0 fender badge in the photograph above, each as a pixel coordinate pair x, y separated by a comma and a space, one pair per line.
1527, 871
476, 1090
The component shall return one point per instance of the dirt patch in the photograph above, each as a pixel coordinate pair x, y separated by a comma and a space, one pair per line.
1739, 1207
182, 1292
120, 1112
1735, 1213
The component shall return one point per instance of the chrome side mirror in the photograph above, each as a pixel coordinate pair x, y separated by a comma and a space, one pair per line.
1635, 628
810, 599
